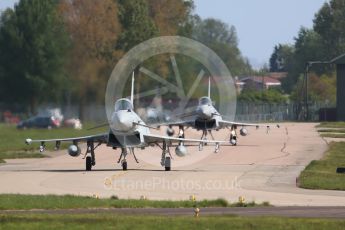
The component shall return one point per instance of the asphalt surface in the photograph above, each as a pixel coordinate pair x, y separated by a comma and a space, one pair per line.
262, 167
289, 211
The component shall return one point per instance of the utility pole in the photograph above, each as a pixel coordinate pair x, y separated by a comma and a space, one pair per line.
306, 107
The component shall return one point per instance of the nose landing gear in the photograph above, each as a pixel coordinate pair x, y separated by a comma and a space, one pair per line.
124, 153
90, 160
203, 138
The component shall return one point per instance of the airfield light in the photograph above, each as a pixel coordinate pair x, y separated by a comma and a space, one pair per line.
241, 200
196, 212
192, 197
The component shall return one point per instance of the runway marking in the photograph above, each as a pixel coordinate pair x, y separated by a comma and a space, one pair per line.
269, 159
108, 181
282, 150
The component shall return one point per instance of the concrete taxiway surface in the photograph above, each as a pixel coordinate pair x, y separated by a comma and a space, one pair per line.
263, 167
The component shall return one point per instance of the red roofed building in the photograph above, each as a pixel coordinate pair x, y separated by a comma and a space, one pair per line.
254, 82
258, 82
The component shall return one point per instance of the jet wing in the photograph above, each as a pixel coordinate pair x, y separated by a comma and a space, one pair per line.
97, 138
152, 139
230, 123
188, 123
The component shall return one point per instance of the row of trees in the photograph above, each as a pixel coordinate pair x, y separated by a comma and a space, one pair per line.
64, 50
323, 42
270, 96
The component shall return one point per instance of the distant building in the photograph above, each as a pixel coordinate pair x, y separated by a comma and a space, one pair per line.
257, 83
277, 75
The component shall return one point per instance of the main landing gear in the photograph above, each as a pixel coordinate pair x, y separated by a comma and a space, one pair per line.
124, 153
166, 157
90, 160
88, 163
233, 135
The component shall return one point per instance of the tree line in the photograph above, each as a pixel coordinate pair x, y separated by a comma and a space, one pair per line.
323, 42
63, 51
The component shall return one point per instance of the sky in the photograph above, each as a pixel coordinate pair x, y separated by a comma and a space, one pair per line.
260, 24
6, 3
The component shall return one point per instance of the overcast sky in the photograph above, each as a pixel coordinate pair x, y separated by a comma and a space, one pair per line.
260, 24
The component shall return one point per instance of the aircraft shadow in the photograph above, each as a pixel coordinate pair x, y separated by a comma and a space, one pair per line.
104, 170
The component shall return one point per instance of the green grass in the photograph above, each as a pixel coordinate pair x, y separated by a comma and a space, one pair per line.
16, 201
340, 124
333, 135
14, 155
12, 140
117, 221
321, 174
331, 130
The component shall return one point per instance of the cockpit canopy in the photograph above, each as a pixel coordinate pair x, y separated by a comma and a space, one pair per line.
123, 104
205, 101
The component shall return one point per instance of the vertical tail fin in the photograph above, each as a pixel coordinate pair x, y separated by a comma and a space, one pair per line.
209, 87
132, 89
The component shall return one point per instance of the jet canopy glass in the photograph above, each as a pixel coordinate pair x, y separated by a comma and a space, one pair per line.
123, 104
205, 101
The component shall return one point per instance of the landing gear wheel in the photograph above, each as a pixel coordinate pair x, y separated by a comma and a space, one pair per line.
124, 165
88, 162
167, 164
216, 149
201, 145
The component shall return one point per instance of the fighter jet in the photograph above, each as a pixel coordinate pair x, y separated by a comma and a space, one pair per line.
127, 131
206, 118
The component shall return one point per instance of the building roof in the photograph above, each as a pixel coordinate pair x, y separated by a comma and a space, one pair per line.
339, 60
242, 81
278, 75
259, 79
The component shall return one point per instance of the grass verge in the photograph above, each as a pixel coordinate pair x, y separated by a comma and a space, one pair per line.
16, 155
321, 174
339, 124
13, 139
333, 135
116, 221
12, 144
331, 130
25, 202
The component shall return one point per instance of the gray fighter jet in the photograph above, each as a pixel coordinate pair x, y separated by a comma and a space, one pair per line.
127, 131
206, 118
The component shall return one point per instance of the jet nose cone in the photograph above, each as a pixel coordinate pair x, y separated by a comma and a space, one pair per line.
205, 113
122, 122
122, 119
